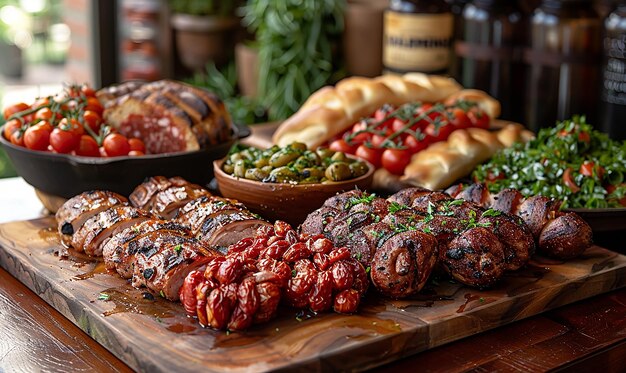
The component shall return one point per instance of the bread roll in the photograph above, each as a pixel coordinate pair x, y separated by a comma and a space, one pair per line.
332, 110
443, 163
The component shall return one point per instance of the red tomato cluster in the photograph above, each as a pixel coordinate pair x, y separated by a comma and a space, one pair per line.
392, 135
71, 124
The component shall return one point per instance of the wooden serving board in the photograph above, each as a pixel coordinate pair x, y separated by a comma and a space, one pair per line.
155, 335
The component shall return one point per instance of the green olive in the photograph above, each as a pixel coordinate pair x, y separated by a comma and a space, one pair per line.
284, 172
267, 169
313, 172
324, 153
358, 168
240, 168
229, 168
261, 162
298, 146
283, 157
338, 171
235, 157
302, 163
313, 157
339, 157
256, 174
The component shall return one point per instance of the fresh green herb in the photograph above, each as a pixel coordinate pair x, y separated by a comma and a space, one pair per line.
358, 256
395, 207
104, 296
482, 300
426, 230
490, 213
368, 269
178, 249
162, 294
293, 273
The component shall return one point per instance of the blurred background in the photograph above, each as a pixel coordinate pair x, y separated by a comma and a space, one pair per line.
264, 58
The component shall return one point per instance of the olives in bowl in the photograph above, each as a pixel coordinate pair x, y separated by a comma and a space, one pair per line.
293, 164
291, 182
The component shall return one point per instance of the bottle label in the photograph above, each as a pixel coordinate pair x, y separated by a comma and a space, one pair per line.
417, 42
614, 91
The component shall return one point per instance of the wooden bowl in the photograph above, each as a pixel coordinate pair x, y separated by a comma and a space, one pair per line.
278, 201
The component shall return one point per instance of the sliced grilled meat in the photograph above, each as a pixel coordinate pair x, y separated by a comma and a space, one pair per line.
167, 202
475, 258
118, 253
316, 222
102, 226
402, 265
194, 213
78, 209
165, 261
232, 230
408, 195
144, 193
364, 242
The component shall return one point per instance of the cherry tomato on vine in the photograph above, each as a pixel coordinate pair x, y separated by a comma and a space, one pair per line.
10, 127
439, 132
87, 91
42, 101
72, 125
460, 120
93, 120
64, 140
382, 113
14, 109
87, 147
116, 145
396, 160
370, 154
414, 145
93, 104
397, 125
37, 137
136, 153
340, 145
136, 145
17, 138
378, 140
479, 118
44, 114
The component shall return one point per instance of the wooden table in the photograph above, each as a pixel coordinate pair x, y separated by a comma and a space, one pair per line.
587, 335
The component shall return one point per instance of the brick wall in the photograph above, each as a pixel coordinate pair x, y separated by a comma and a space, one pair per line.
78, 14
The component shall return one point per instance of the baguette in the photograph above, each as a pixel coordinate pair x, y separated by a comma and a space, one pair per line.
443, 163
332, 110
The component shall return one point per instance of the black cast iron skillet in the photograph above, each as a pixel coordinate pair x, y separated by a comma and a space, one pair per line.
66, 175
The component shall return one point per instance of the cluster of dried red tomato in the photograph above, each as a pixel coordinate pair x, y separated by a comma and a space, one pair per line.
276, 266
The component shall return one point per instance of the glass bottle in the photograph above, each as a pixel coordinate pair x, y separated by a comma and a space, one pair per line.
417, 36
563, 62
489, 52
613, 93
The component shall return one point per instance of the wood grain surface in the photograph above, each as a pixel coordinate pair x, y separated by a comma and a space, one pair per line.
154, 335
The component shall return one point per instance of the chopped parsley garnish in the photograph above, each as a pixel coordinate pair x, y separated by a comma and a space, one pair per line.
490, 213
395, 207
178, 248
104, 296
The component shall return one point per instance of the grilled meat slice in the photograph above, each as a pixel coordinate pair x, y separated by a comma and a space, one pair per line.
475, 258
342, 228
78, 209
102, 226
406, 196
402, 265
167, 202
163, 262
116, 252
230, 232
194, 213
364, 242
143, 195
316, 222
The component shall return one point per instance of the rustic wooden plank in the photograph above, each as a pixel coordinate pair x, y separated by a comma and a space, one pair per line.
34, 337
156, 336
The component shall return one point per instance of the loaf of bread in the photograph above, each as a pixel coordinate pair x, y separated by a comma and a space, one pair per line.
168, 116
443, 163
332, 110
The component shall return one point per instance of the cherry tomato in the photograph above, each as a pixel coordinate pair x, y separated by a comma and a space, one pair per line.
116, 145
72, 125
17, 138
569, 180
64, 140
378, 140
370, 154
382, 113
460, 120
584, 137
396, 160
44, 114
136, 153
42, 101
359, 138
87, 91
45, 124
479, 118
14, 109
439, 132
586, 168
103, 153
415, 145
93, 104
340, 145
137, 145
37, 137
93, 120
10, 127
397, 125
87, 147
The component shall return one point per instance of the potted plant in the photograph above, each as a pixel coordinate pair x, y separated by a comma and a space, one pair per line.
205, 30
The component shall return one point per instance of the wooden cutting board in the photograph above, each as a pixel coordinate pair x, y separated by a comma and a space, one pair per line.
155, 335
